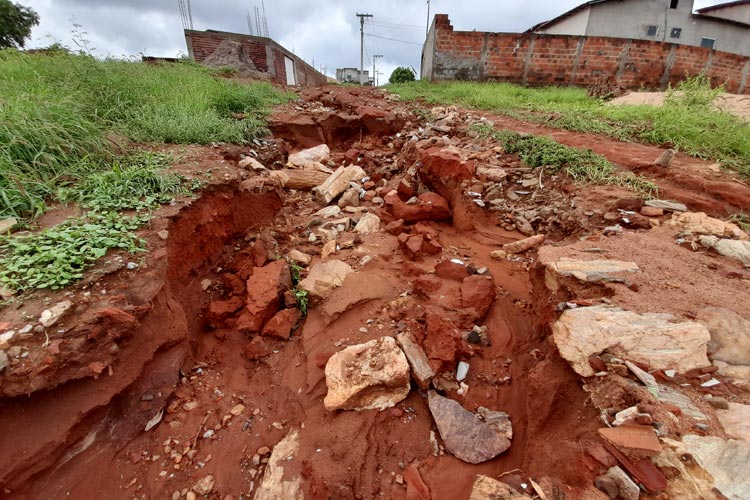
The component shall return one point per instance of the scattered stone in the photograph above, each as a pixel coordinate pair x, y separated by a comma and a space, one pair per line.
328, 212
524, 245
251, 162
319, 154
498, 420
337, 183
464, 434
733, 249
626, 488
632, 437
736, 421
7, 224
607, 485
299, 257
350, 198
3, 361
51, 316
700, 223
427, 206
652, 211
237, 410
328, 249
191, 495
728, 461
374, 375
323, 278
593, 271
462, 371
273, 486
654, 339
205, 485
486, 488
282, 324
395, 228
665, 159
679, 400
642, 375
667, 206
369, 223
719, 403
219, 311
421, 371
499, 254
405, 190
265, 289
449, 269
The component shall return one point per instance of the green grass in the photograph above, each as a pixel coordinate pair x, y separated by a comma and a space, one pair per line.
582, 165
686, 122
59, 110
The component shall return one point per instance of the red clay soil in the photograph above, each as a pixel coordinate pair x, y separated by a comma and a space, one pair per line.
169, 337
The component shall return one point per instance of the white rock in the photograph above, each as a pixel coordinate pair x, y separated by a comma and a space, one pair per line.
51, 316
591, 271
328, 212
654, 339
299, 257
323, 278
274, 486
733, 249
728, 461
318, 154
736, 421
700, 223
3, 361
373, 375
369, 223
462, 370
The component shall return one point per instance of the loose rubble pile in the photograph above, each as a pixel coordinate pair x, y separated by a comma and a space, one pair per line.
422, 304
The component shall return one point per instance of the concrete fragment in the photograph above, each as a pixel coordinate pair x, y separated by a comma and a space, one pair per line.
728, 461
421, 370
337, 183
734, 249
274, 486
323, 278
374, 375
369, 223
486, 488
668, 206
464, 434
736, 421
700, 223
317, 154
657, 340
524, 245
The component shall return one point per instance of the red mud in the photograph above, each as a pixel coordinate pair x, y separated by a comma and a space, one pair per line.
169, 335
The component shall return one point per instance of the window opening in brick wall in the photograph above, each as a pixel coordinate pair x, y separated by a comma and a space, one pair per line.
675, 33
708, 43
652, 30
673, 4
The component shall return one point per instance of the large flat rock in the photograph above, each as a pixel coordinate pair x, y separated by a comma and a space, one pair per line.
728, 461
658, 340
324, 278
370, 376
465, 435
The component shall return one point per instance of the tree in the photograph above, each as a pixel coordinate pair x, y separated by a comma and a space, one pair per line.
402, 74
16, 22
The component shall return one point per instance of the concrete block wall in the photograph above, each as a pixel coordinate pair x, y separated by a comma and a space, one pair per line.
266, 54
534, 59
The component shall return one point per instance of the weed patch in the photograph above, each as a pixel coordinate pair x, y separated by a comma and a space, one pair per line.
686, 122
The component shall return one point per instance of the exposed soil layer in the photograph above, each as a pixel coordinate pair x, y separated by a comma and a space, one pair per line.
196, 339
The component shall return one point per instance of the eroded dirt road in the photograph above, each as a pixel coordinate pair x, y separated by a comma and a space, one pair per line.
202, 341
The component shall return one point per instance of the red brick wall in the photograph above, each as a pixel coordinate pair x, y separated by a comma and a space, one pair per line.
572, 60
202, 44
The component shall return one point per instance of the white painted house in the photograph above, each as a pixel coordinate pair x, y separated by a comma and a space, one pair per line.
724, 27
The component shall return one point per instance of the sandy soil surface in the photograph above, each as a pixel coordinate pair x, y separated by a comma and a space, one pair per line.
738, 105
234, 405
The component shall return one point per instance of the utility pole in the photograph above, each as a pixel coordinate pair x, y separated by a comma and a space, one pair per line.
374, 57
427, 30
362, 18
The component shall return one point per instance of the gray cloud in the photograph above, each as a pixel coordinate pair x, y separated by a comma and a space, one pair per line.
323, 31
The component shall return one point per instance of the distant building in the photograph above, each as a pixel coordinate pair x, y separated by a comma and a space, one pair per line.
351, 75
724, 27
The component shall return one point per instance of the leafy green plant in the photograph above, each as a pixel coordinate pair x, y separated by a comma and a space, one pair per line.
16, 22
580, 164
296, 271
56, 257
693, 92
303, 299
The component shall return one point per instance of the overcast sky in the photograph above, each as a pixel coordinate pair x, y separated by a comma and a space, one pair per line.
323, 31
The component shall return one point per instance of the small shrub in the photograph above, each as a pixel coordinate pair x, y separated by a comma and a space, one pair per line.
402, 74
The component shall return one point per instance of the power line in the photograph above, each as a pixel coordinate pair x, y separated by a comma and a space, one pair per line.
393, 39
